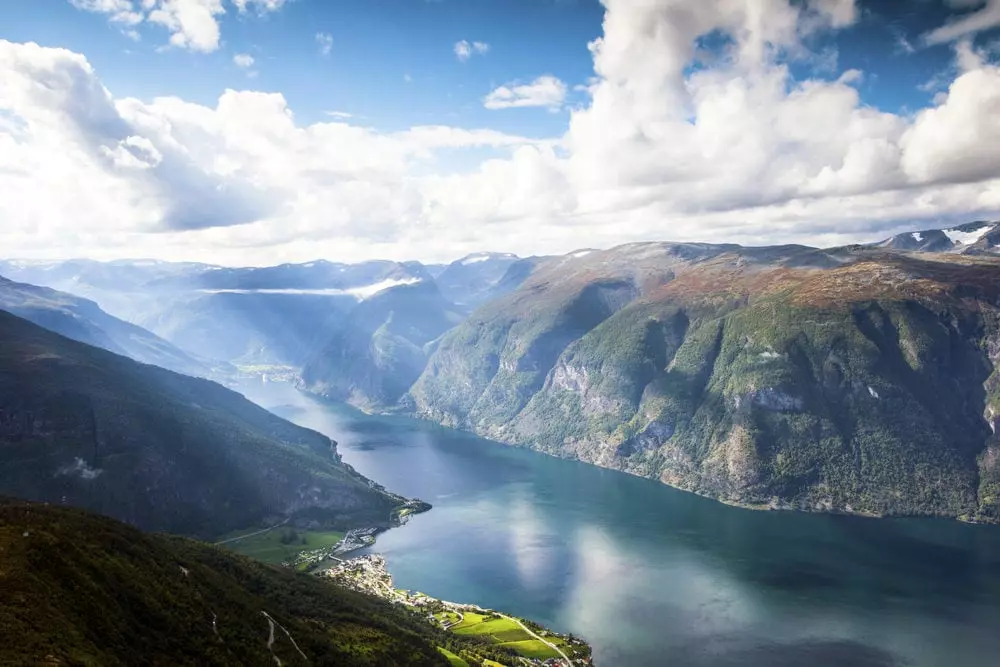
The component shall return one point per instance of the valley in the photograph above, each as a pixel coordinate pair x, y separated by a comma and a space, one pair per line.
641, 570
857, 380
523, 333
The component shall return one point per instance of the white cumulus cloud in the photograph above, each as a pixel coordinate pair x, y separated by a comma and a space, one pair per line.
545, 91
667, 144
192, 24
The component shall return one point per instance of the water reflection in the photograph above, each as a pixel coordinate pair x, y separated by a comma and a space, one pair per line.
653, 576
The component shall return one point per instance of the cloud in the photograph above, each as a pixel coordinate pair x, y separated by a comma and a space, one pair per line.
325, 42
262, 6
192, 24
465, 50
985, 18
243, 60
545, 91
120, 11
729, 149
340, 114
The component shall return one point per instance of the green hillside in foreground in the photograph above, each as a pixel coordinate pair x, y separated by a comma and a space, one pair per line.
84, 427
80, 589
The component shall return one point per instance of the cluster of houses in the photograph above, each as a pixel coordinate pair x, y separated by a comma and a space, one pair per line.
357, 538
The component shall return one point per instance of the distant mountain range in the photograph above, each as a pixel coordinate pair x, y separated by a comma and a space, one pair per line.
855, 379
252, 316
974, 238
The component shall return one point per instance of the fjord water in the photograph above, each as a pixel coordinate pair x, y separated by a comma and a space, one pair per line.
654, 576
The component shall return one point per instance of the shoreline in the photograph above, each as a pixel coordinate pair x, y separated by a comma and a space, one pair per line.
369, 574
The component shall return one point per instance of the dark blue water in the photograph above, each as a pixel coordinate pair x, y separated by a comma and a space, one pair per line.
654, 576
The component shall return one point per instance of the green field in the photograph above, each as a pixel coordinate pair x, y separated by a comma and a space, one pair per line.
532, 648
506, 633
270, 547
453, 659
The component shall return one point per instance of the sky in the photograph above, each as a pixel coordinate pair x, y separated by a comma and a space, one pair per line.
249, 132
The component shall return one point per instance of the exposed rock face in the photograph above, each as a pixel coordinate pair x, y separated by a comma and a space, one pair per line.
853, 379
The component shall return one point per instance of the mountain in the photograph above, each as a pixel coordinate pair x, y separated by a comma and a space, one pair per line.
82, 589
857, 379
248, 315
974, 238
84, 321
85, 427
248, 328
470, 280
381, 347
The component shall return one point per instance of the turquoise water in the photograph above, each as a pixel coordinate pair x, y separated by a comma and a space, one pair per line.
654, 576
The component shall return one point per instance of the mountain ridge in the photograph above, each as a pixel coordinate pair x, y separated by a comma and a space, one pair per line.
83, 426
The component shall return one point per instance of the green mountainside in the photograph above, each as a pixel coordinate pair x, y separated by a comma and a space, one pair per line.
856, 379
80, 589
82, 426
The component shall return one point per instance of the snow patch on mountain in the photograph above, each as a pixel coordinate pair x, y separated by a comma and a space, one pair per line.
967, 238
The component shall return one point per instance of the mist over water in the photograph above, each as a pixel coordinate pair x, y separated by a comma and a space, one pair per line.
654, 576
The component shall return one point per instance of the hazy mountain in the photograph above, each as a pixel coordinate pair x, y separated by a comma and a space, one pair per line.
470, 280
84, 321
82, 426
854, 379
268, 315
88, 590
381, 347
249, 327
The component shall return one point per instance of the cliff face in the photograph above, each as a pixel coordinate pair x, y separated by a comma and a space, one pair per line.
855, 379
82, 426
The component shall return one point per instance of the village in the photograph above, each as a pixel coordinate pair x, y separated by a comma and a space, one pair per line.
354, 539
494, 638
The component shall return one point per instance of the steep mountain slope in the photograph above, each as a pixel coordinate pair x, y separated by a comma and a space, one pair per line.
853, 379
381, 347
469, 281
86, 590
82, 426
84, 321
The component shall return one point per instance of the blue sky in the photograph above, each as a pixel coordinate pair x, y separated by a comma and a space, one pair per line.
832, 135
392, 62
